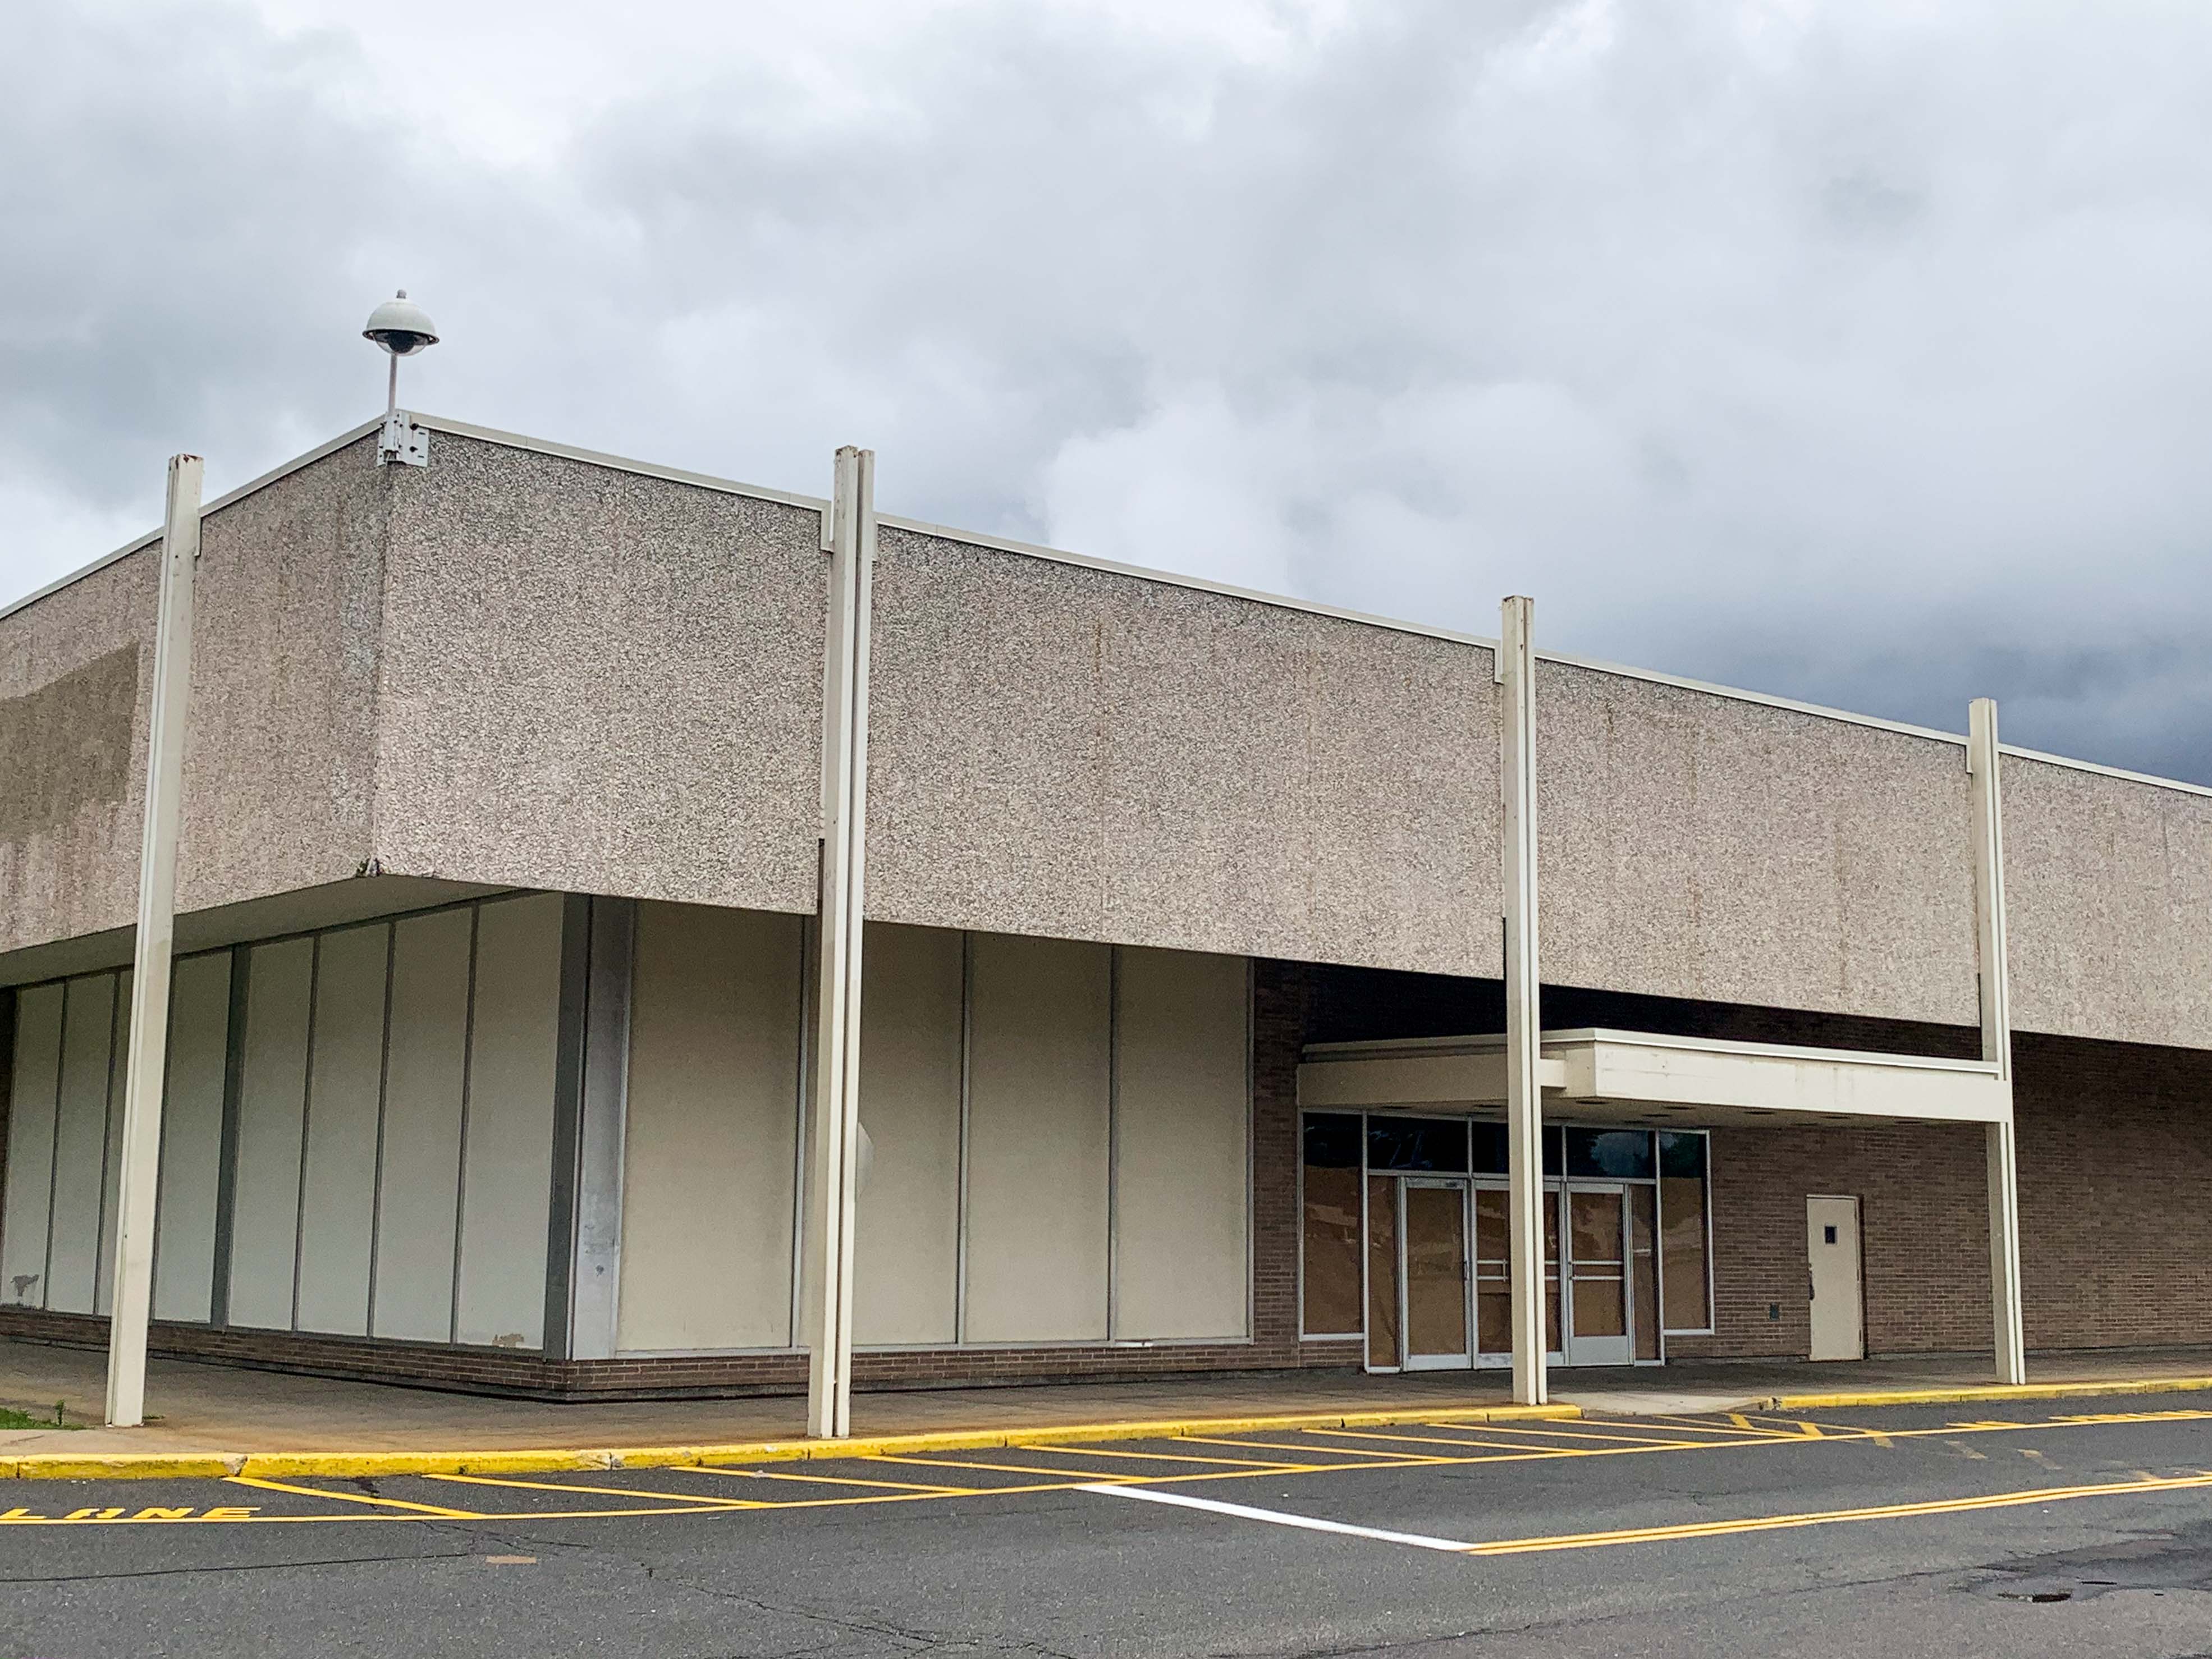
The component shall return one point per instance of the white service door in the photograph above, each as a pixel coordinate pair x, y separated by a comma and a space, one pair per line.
1831, 1243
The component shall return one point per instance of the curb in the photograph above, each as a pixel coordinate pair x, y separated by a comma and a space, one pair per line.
185, 1466
1801, 1402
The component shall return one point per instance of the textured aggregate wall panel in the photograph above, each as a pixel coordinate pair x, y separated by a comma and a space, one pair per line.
1039, 1140
506, 1168
35, 1089
345, 1090
710, 1148
598, 681
907, 1263
81, 1144
191, 1137
419, 1178
1060, 750
73, 755
2108, 891
1703, 847
280, 747
264, 1227
1181, 1147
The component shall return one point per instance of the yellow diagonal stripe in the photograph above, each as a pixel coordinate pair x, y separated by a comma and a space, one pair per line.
1586, 1540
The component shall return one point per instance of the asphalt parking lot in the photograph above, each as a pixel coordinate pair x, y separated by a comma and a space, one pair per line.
2077, 1526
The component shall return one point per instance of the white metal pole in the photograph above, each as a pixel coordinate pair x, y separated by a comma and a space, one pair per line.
2007, 1323
832, 1169
1525, 1104
149, 986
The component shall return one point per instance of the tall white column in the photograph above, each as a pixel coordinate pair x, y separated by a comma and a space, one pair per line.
1524, 1103
1982, 764
833, 1164
147, 1064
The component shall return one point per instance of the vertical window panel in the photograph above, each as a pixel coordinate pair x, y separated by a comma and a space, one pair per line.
506, 1178
81, 1144
906, 1262
710, 1142
272, 1092
1181, 1113
191, 1137
110, 1154
1037, 1149
337, 1213
1382, 1272
33, 1103
1330, 1236
1685, 1220
418, 1188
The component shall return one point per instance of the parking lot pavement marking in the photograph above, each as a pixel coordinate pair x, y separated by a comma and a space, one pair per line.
1245, 1512
1831, 1518
1170, 1457
1538, 1436
829, 1480
438, 1511
691, 1498
1284, 1445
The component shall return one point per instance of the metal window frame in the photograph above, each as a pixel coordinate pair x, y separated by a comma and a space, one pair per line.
1304, 1335
1712, 1310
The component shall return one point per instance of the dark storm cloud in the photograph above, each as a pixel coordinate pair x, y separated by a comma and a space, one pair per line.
1857, 353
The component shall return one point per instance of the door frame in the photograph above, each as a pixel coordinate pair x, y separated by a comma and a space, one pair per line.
1858, 1266
1407, 1359
1553, 1186
1591, 1353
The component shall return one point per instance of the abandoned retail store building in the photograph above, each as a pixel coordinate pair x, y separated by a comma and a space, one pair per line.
515, 783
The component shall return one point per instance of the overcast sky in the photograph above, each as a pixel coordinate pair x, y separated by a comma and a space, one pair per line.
1859, 352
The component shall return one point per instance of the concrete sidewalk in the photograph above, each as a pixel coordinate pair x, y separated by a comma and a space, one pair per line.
219, 1410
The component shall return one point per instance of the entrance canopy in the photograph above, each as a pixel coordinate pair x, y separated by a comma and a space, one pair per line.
1642, 1078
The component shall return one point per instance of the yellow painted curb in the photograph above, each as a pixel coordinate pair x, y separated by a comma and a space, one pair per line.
570, 1460
1807, 1402
123, 1466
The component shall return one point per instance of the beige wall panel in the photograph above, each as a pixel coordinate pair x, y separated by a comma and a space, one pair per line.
191, 1137
72, 755
418, 1187
279, 753
1181, 1125
2108, 890
507, 1172
81, 1145
111, 1169
1060, 751
1699, 846
1037, 1132
337, 1205
711, 1131
524, 588
31, 1108
264, 1227
906, 1266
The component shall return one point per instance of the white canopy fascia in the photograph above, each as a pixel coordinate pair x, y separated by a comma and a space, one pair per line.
1642, 1078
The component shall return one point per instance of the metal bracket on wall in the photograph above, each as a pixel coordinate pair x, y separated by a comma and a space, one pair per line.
402, 441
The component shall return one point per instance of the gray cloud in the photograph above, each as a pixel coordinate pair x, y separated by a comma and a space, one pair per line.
1858, 353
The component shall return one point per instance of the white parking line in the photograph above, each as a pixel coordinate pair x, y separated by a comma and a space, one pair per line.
1305, 1523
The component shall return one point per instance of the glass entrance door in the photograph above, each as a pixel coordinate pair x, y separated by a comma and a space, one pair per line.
1493, 1281
1597, 1268
1435, 1274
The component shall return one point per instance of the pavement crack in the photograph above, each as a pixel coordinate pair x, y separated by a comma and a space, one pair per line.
234, 1566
